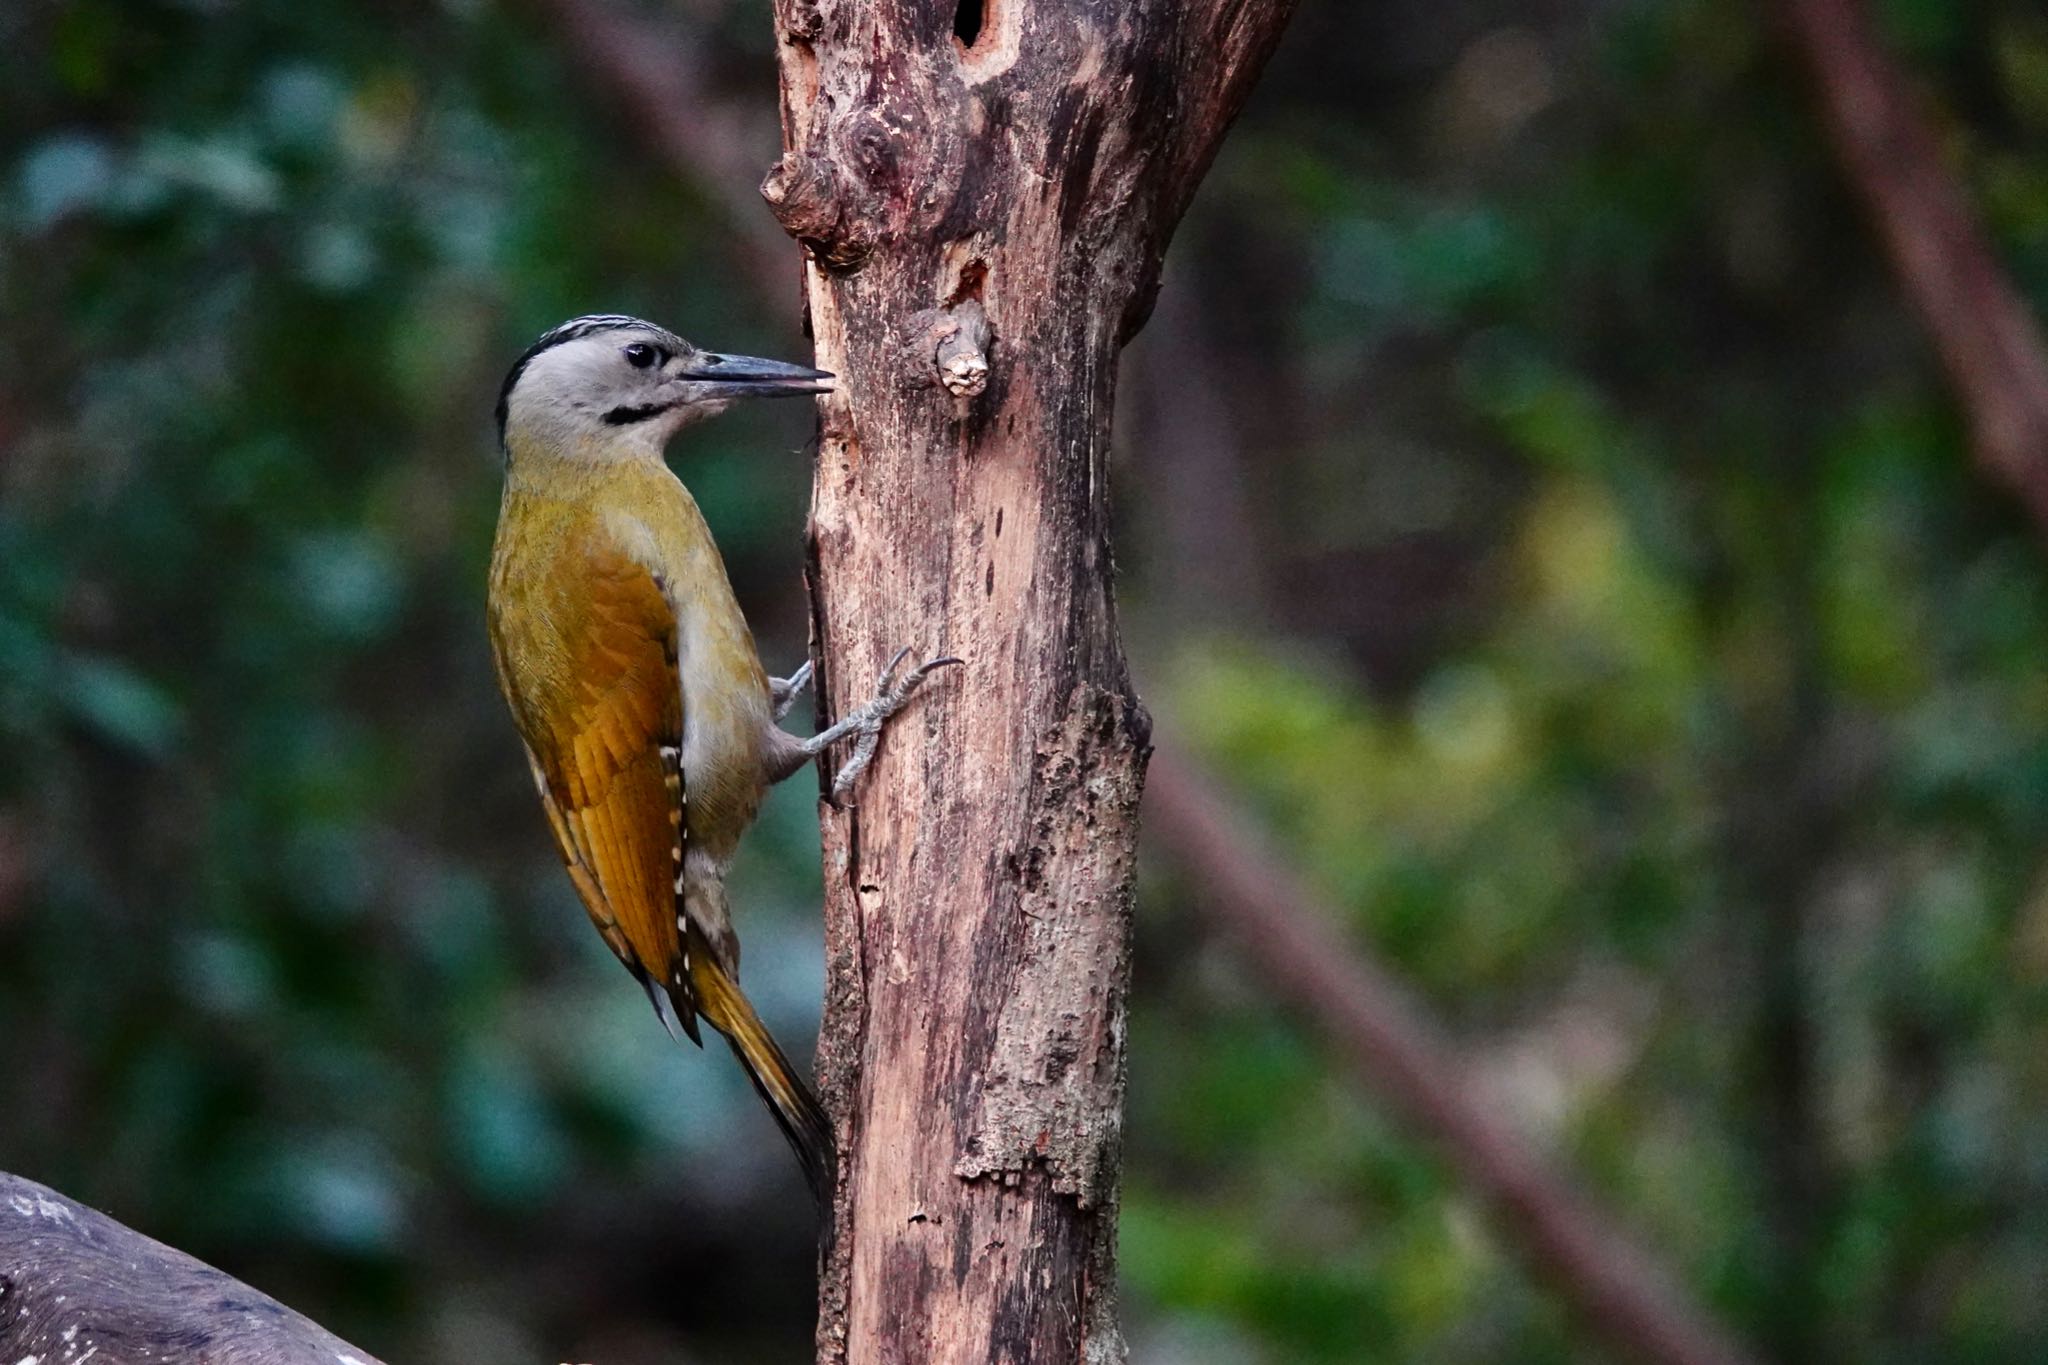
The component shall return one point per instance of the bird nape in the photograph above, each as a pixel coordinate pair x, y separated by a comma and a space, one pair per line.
650, 726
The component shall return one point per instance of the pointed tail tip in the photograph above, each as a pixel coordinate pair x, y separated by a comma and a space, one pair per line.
797, 1113
818, 1152
803, 1122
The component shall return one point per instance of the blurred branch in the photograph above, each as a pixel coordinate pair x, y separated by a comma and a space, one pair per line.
1395, 1052
1987, 338
75, 1285
656, 83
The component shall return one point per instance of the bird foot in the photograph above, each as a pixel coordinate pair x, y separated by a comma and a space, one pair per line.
866, 723
782, 692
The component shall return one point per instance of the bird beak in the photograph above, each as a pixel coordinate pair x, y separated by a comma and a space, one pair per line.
745, 376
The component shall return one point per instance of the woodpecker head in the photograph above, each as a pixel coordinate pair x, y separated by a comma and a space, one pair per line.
611, 383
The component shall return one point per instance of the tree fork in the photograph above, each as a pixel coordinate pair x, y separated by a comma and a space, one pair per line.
984, 194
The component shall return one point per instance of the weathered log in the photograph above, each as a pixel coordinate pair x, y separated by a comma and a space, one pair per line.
985, 189
78, 1287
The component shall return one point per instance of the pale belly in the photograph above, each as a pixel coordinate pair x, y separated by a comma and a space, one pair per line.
726, 718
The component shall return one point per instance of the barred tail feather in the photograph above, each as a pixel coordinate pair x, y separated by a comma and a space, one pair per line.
789, 1099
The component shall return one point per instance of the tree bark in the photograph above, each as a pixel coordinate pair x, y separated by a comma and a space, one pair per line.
984, 193
76, 1286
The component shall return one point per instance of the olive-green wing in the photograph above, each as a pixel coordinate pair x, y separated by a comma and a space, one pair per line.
606, 750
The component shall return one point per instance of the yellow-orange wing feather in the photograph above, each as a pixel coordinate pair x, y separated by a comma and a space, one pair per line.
600, 707
585, 641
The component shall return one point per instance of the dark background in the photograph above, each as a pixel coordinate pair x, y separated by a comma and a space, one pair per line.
1535, 504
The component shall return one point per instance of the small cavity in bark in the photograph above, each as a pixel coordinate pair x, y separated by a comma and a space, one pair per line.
968, 20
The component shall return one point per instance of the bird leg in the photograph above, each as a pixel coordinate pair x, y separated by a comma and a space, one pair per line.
782, 692
864, 723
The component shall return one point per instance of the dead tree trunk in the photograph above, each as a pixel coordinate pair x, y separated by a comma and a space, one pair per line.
984, 189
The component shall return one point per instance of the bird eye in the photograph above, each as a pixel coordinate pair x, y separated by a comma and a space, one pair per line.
640, 355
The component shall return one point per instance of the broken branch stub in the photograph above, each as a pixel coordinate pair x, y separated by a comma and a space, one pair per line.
962, 353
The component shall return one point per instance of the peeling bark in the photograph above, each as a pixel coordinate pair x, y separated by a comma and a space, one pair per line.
984, 196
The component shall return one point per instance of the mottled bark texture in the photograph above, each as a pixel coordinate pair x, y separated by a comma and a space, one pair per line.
984, 190
76, 1286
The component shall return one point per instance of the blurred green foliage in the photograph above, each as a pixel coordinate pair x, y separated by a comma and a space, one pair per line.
1587, 584
287, 972
1641, 661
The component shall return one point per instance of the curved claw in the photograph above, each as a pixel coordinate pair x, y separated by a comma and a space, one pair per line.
870, 720
783, 692
886, 682
898, 693
948, 662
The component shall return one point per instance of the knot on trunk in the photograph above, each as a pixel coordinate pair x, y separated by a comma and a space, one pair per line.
815, 206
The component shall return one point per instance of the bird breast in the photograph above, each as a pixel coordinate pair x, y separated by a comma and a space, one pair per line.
726, 719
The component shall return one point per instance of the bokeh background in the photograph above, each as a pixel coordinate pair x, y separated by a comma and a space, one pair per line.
1537, 508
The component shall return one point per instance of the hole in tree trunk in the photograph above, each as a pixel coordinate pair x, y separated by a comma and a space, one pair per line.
969, 286
967, 21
